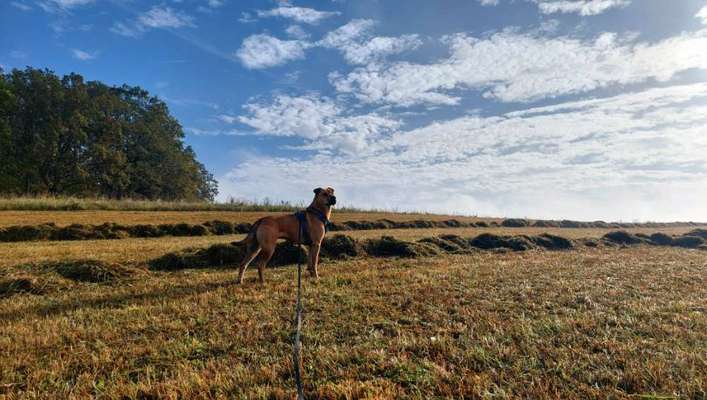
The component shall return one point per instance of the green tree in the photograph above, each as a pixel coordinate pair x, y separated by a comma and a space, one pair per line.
71, 137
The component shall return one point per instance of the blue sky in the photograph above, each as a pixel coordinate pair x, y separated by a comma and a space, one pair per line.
583, 109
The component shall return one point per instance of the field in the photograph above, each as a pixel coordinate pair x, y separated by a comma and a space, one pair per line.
591, 322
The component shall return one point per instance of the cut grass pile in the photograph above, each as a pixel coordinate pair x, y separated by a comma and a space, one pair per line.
52, 232
694, 239
342, 246
588, 323
45, 277
184, 254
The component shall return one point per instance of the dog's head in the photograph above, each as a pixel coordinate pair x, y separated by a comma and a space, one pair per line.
324, 197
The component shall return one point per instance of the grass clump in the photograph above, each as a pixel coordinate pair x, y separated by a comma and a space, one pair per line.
515, 223
19, 285
623, 238
448, 243
93, 271
698, 232
688, 242
23, 233
340, 247
552, 242
489, 241
661, 239
388, 246
217, 255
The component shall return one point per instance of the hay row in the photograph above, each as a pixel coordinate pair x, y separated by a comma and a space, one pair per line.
342, 246
52, 232
335, 247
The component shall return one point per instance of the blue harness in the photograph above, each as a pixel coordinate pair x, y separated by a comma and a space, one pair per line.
304, 237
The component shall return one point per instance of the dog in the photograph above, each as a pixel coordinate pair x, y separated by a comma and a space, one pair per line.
304, 227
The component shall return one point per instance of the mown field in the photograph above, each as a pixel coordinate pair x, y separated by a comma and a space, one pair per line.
591, 322
23, 217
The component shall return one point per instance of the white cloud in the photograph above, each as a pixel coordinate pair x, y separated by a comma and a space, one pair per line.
158, 17
83, 55
355, 42
510, 67
378, 47
489, 2
299, 14
317, 119
164, 17
581, 7
62, 5
246, 18
263, 51
296, 32
353, 39
20, 6
352, 31
126, 29
633, 156
229, 119
215, 3
702, 15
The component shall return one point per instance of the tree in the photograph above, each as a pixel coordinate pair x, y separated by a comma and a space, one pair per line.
65, 136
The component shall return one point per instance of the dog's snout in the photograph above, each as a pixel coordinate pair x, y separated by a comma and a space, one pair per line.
332, 200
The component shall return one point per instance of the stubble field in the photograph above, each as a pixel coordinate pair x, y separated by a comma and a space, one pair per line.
591, 322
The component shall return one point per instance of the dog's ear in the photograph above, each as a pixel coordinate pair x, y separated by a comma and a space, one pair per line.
317, 190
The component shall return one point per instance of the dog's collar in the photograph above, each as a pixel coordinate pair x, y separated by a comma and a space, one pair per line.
320, 216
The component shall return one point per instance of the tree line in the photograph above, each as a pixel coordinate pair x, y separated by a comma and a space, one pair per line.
66, 136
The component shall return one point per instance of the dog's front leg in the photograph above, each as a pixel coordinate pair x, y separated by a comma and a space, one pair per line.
313, 260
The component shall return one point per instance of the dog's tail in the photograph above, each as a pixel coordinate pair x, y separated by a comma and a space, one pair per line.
250, 236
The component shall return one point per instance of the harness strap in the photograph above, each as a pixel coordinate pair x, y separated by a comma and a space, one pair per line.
303, 229
320, 216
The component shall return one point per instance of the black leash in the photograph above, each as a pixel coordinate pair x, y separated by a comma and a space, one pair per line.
297, 345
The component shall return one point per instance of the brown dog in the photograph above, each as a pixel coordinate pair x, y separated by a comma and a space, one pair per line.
265, 232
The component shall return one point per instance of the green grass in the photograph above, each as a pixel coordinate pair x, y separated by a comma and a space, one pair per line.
47, 203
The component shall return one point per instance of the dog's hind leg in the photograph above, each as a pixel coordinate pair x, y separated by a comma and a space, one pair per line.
252, 252
267, 255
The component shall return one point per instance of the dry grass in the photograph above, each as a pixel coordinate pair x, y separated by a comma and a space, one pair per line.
96, 217
589, 323
138, 250
595, 323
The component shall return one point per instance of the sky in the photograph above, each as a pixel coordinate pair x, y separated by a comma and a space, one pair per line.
577, 109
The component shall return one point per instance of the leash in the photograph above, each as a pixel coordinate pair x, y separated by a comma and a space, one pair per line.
297, 344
